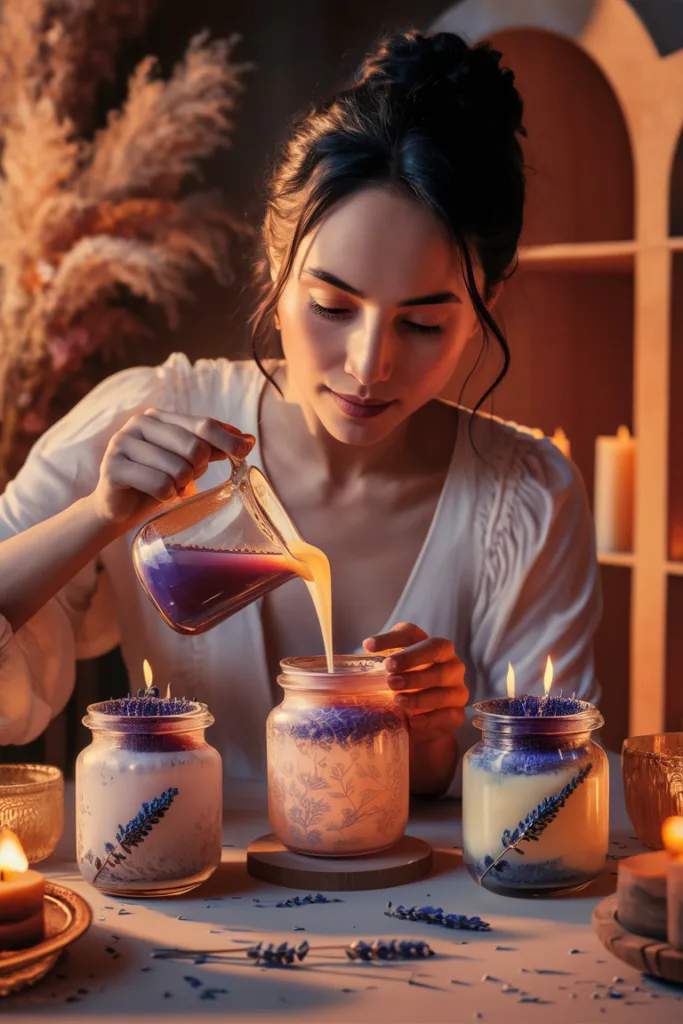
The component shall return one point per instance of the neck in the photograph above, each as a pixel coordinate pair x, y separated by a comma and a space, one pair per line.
328, 461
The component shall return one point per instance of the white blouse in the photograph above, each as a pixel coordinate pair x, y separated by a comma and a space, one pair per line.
507, 570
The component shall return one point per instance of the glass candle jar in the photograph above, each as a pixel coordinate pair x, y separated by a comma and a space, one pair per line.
148, 797
535, 797
32, 806
337, 759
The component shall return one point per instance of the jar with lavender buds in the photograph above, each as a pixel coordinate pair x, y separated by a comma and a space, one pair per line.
148, 797
535, 796
337, 759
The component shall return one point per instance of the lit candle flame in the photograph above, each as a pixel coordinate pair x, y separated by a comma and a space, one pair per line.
147, 673
511, 681
168, 692
548, 677
672, 835
12, 856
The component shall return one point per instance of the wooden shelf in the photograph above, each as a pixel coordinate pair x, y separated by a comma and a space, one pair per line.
609, 257
595, 315
623, 558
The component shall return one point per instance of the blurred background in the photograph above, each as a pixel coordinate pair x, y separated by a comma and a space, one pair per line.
594, 315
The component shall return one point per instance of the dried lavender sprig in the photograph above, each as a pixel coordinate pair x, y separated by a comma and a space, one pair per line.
395, 949
535, 823
435, 915
135, 832
285, 955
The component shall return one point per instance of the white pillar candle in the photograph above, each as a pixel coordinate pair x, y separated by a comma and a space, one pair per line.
672, 836
562, 442
615, 462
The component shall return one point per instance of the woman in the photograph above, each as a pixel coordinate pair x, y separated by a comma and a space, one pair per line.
393, 218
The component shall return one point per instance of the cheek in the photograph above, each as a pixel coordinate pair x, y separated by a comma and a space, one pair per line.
431, 363
307, 338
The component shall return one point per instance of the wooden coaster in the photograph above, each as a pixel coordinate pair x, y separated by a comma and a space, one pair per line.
647, 955
408, 861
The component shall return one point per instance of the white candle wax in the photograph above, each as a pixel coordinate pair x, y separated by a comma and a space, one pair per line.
21, 896
615, 463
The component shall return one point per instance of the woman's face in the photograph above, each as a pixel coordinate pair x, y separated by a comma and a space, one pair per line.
374, 317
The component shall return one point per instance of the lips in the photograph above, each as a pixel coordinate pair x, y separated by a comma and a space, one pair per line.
359, 408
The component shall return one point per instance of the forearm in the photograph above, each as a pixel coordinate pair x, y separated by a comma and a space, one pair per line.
36, 564
433, 761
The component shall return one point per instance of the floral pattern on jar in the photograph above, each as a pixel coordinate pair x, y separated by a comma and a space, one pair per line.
338, 757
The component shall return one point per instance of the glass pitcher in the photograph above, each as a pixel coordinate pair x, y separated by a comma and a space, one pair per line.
214, 553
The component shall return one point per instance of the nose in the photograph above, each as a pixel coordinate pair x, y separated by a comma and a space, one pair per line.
370, 352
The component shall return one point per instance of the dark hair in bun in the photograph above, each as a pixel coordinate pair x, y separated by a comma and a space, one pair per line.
428, 114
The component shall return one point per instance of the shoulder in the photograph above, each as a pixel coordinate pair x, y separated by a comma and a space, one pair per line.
73, 448
524, 484
224, 388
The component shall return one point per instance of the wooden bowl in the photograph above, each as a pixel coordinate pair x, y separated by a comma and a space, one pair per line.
647, 955
652, 768
67, 917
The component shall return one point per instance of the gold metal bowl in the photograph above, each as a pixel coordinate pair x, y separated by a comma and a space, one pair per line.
652, 769
67, 917
32, 806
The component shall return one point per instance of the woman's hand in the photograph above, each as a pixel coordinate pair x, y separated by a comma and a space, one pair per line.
154, 457
430, 682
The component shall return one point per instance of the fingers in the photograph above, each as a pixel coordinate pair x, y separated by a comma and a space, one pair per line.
432, 698
178, 470
149, 481
437, 677
440, 721
222, 438
433, 650
403, 634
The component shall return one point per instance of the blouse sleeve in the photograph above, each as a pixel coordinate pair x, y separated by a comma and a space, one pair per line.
37, 665
539, 591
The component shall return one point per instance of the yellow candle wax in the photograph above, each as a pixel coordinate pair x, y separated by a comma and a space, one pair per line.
21, 896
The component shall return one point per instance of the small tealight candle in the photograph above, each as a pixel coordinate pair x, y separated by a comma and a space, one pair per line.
672, 837
21, 896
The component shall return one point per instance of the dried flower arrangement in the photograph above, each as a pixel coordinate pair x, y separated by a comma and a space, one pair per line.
96, 226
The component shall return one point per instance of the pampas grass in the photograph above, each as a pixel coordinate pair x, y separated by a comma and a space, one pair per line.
90, 220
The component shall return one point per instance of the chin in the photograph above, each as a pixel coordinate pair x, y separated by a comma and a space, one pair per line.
360, 433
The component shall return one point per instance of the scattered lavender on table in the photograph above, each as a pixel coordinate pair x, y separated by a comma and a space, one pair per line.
535, 822
135, 832
435, 915
299, 901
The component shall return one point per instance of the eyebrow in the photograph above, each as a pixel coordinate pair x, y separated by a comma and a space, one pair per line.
421, 300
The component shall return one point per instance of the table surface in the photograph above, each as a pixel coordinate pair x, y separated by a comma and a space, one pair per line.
541, 962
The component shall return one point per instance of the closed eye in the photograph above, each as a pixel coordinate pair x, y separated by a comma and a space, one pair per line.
335, 313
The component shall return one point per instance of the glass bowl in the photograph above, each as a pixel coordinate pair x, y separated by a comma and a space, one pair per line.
32, 806
652, 768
